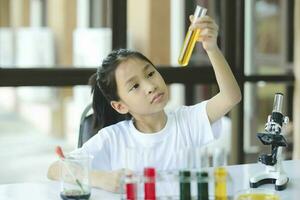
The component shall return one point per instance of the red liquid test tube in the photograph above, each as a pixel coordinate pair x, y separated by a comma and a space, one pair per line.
131, 191
149, 187
131, 187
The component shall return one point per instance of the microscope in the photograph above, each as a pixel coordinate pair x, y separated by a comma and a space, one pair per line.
274, 172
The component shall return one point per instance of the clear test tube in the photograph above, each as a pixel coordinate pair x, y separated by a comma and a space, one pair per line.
190, 39
219, 157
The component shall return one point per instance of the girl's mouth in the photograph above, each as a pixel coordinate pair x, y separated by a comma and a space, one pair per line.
157, 98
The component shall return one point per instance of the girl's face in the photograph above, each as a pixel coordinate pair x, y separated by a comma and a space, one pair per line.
141, 88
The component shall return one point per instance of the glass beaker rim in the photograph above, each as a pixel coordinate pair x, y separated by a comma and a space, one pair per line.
257, 191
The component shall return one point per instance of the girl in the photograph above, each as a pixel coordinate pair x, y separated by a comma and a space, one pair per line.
129, 96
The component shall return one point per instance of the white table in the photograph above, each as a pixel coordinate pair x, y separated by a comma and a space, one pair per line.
241, 173
48, 190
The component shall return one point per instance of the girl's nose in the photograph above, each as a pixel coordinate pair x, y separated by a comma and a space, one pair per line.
150, 87
151, 91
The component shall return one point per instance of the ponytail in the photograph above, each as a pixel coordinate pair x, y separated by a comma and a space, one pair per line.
104, 114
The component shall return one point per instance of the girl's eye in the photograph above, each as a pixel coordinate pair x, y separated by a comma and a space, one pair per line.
151, 74
135, 86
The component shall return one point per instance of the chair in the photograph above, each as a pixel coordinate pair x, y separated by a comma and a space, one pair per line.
86, 130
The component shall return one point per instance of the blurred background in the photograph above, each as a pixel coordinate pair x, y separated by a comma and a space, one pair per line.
49, 48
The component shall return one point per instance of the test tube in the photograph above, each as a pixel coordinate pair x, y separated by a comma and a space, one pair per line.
130, 187
149, 185
190, 39
201, 158
185, 185
219, 157
202, 185
220, 174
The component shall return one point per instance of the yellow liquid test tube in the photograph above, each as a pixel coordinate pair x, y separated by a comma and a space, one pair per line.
190, 39
220, 174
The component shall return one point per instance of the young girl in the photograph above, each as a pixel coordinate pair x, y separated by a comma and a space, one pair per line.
129, 96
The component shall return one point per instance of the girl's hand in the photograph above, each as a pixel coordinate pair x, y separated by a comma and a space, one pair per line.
108, 180
208, 31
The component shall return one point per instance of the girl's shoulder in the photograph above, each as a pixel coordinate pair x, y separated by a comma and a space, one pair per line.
120, 125
115, 129
107, 135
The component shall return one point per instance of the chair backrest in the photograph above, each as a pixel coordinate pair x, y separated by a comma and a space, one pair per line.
86, 130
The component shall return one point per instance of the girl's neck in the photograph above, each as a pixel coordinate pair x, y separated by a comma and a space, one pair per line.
150, 124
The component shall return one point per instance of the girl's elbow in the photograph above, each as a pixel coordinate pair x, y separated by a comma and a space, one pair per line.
239, 97
235, 99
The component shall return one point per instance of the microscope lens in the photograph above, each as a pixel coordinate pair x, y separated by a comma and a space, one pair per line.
278, 101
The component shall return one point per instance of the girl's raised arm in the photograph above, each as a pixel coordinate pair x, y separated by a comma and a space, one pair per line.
229, 94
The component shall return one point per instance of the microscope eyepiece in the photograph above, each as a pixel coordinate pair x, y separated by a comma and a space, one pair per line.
278, 103
277, 115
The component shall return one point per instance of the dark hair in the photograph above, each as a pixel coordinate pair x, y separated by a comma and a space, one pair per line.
104, 88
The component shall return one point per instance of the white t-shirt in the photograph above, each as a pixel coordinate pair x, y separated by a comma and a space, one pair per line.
121, 145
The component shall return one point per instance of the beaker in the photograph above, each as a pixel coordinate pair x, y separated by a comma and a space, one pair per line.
257, 194
74, 176
190, 39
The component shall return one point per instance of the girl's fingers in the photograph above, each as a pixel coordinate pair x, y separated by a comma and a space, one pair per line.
202, 24
205, 35
205, 26
207, 32
206, 39
205, 18
209, 29
191, 18
203, 21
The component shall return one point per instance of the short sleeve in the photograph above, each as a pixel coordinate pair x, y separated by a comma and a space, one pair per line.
97, 147
200, 130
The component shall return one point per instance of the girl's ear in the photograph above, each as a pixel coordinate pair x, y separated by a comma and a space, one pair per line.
119, 106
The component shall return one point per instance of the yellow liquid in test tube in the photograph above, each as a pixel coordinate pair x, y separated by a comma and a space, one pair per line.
190, 39
220, 183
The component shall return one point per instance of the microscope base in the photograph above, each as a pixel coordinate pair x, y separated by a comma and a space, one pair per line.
280, 180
